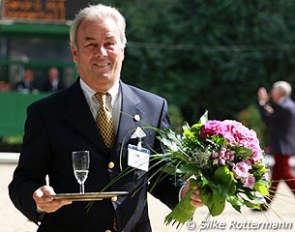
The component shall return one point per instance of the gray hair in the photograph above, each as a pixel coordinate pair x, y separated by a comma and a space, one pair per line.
283, 86
98, 11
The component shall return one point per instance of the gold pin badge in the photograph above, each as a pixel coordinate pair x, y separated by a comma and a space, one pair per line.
111, 165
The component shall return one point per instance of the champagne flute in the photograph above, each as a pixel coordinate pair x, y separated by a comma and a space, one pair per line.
80, 166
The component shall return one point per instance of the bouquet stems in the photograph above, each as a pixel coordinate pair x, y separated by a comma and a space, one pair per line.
183, 211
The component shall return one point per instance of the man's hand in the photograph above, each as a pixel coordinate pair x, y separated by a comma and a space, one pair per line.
45, 203
195, 197
262, 96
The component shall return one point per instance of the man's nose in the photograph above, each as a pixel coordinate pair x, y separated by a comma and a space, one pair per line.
100, 51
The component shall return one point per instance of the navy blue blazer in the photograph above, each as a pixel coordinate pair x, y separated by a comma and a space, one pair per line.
62, 123
281, 126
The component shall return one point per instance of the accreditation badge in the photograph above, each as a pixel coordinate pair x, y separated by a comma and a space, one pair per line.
138, 157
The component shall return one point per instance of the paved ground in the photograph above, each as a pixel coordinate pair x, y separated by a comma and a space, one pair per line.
281, 217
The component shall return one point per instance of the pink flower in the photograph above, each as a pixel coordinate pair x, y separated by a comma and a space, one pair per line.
223, 157
241, 169
215, 161
236, 134
256, 155
222, 162
211, 128
230, 155
248, 181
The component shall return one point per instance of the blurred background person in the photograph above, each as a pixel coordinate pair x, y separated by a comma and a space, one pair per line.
278, 111
4, 86
27, 84
53, 83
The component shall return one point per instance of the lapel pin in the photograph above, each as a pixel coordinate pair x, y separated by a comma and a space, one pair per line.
136, 118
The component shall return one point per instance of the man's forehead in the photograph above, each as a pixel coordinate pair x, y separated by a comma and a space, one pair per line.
99, 27
107, 24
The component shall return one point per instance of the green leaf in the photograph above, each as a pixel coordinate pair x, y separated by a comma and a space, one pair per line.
168, 169
237, 208
188, 168
206, 195
213, 200
261, 186
236, 202
183, 211
218, 203
221, 187
224, 181
202, 121
252, 205
186, 126
188, 133
204, 118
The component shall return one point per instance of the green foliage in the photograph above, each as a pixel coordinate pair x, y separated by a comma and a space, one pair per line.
223, 186
262, 187
184, 210
11, 140
10, 143
208, 54
176, 118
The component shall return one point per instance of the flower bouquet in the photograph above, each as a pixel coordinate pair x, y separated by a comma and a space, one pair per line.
226, 161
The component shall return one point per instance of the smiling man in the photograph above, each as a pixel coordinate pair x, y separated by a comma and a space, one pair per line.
99, 53
76, 119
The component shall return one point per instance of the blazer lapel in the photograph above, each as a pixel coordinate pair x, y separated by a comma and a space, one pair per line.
130, 108
78, 114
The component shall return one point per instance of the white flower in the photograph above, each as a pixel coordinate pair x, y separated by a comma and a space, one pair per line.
200, 158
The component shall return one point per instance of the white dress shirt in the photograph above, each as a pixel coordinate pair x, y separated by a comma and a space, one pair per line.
116, 95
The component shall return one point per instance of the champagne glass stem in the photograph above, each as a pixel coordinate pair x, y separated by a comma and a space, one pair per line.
82, 190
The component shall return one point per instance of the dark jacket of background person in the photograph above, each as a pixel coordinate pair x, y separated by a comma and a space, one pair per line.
53, 82
278, 111
27, 84
281, 124
48, 87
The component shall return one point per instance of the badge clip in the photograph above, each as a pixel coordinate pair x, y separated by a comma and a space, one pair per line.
139, 134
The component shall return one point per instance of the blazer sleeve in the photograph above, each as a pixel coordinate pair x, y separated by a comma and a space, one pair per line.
31, 170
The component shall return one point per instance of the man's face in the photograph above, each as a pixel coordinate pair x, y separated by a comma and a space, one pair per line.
29, 75
53, 74
99, 53
276, 94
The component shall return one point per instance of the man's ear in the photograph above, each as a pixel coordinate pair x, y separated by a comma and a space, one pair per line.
74, 53
123, 51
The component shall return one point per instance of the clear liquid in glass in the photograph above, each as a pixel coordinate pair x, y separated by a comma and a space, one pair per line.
81, 175
81, 162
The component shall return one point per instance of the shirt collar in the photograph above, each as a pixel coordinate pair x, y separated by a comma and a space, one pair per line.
114, 92
282, 99
89, 93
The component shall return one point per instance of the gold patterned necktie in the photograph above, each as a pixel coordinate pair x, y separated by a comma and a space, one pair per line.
104, 119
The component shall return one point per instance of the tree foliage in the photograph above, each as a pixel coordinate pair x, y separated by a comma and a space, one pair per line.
211, 54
